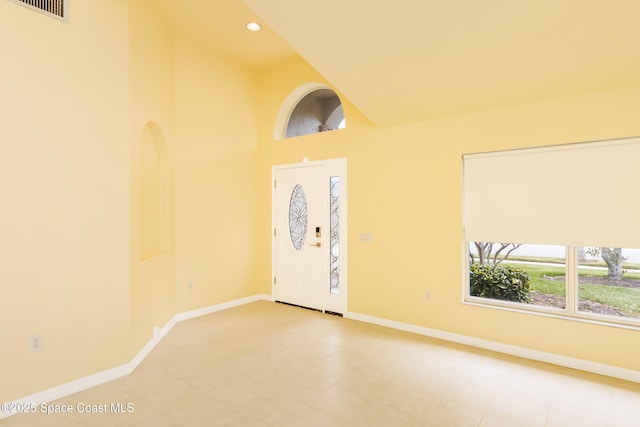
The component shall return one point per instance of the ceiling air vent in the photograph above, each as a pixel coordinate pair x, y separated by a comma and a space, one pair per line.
54, 8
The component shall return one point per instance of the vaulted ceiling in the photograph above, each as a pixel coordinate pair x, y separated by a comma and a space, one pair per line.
411, 60
220, 25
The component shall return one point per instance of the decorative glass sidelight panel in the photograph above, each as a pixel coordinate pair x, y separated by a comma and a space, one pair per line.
298, 217
334, 236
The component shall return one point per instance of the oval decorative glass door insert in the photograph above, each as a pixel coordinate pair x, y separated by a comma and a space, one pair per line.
298, 217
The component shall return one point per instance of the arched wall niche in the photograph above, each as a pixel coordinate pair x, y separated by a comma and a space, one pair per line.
154, 189
310, 108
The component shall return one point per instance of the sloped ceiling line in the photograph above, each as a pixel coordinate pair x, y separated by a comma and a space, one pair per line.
412, 60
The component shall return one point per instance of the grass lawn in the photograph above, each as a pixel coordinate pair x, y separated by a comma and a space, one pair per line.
551, 260
538, 282
627, 300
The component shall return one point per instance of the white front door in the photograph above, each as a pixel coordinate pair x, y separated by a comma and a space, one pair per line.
306, 236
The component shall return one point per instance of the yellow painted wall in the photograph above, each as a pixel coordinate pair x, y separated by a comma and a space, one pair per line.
64, 180
85, 107
76, 99
215, 149
152, 240
405, 188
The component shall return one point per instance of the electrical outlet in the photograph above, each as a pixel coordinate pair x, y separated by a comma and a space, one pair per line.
427, 295
36, 343
190, 284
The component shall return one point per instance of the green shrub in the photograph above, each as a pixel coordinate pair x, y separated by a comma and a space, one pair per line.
499, 282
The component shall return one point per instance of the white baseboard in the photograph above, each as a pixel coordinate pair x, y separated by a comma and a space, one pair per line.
90, 381
219, 307
67, 389
93, 380
555, 359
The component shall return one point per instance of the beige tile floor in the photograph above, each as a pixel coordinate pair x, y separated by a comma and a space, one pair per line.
267, 364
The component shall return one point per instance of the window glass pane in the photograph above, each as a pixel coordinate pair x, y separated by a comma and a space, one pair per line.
298, 217
609, 281
334, 239
528, 274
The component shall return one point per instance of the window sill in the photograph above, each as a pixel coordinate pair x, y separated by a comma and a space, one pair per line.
561, 314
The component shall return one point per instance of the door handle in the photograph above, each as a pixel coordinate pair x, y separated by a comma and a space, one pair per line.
317, 245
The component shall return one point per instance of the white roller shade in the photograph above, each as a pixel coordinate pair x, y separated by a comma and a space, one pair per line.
572, 195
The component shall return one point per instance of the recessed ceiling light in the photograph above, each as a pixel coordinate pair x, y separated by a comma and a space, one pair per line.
253, 26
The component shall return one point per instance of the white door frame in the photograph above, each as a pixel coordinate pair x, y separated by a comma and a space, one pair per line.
330, 167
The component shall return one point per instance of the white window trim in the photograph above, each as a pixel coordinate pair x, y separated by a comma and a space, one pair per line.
569, 313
